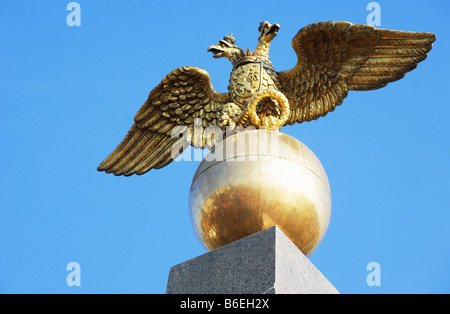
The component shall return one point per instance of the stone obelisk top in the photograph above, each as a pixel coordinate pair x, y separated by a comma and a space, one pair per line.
266, 262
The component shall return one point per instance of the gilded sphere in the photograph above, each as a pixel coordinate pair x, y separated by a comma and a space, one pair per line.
254, 180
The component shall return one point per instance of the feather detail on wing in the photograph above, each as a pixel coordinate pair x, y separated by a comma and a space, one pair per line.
179, 108
335, 57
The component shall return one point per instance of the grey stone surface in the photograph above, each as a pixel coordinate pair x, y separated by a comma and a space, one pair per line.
264, 262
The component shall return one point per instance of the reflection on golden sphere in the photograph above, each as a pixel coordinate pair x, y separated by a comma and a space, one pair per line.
254, 180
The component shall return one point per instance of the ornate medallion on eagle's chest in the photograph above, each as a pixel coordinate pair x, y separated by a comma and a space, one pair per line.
249, 78
245, 81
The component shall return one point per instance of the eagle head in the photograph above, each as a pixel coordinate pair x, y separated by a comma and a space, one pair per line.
268, 31
226, 48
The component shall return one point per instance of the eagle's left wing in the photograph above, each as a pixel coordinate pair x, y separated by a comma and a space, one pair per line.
183, 103
335, 57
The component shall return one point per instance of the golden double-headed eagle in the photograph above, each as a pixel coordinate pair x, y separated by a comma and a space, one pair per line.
333, 58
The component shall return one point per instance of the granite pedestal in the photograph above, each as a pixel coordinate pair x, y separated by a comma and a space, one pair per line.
264, 262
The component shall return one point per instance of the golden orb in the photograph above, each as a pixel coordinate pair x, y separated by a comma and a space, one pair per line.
254, 180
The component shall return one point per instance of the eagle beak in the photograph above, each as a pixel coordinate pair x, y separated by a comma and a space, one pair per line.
268, 31
220, 50
216, 50
273, 29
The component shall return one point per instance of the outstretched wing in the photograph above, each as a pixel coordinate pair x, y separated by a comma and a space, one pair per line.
179, 108
335, 57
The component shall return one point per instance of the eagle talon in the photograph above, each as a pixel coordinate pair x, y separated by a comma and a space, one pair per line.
230, 116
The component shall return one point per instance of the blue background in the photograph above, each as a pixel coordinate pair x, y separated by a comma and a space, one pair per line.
68, 96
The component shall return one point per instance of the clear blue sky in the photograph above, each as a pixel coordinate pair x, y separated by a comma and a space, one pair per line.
68, 96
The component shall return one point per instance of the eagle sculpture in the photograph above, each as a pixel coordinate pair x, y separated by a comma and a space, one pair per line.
333, 58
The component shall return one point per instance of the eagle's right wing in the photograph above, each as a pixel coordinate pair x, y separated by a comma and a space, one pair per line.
171, 110
335, 57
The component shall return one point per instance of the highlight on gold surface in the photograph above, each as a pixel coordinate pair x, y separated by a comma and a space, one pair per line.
254, 180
